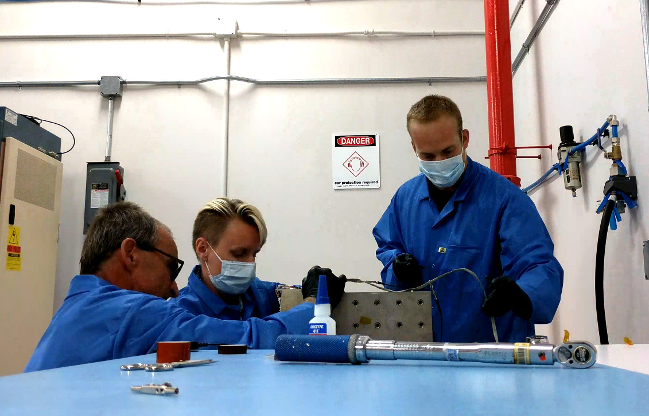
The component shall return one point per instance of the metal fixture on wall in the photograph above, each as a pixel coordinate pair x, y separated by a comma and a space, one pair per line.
370, 33
226, 118
111, 88
105, 180
269, 82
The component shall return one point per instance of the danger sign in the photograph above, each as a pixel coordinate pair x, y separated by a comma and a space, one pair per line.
355, 161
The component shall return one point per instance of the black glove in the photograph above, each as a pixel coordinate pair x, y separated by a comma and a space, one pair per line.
407, 270
335, 284
504, 295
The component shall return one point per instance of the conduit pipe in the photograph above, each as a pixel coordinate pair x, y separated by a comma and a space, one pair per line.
252, 35
271, 82
517, 10
109, 136
502, 145
369, 33
536, 30
644, 11
226, 118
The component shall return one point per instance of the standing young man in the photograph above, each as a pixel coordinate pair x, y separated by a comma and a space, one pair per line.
460, 214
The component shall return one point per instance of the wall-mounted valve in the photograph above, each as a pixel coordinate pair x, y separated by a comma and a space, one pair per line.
616, 151
571, 171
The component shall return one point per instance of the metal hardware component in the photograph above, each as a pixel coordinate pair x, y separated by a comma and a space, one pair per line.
576, 354
110, 87
132, 367
379, 314
159, 367
165, 388
177, 364
538, 339
165, 366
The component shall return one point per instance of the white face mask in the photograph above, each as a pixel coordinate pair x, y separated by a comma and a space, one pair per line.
235, 277
443, 173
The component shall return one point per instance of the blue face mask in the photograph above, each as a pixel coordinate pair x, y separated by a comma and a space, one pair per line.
444, 173
235, 277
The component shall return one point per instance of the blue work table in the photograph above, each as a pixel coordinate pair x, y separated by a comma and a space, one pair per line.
255, 384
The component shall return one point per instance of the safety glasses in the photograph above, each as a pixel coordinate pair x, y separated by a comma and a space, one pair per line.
174, 267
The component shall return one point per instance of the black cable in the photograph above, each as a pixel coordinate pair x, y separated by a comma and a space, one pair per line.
40, 120
599, 272
441, 317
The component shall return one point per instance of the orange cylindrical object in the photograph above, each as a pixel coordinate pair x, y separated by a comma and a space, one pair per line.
173, 351
502, 144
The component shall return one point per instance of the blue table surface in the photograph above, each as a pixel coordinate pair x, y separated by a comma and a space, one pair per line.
255, 384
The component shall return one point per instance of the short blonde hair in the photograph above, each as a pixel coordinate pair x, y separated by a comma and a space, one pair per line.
215, 216
433, 107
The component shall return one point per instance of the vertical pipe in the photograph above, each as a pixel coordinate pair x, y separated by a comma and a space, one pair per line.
502, 147
109, 138
644, 11
226, 118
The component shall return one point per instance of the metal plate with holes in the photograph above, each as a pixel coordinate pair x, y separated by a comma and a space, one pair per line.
402, 316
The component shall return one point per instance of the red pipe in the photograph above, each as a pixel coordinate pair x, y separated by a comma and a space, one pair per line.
502, 144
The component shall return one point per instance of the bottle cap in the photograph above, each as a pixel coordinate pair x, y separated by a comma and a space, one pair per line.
323, 293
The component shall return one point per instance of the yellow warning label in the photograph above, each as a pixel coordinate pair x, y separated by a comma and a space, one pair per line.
13, 249
14, 236
13, 261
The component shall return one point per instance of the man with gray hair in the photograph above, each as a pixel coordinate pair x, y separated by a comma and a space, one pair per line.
115, 309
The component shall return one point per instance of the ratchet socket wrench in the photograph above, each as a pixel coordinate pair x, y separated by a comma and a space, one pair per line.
357, 349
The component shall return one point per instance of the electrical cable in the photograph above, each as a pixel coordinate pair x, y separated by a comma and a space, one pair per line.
441, 316
430, 283
40, 120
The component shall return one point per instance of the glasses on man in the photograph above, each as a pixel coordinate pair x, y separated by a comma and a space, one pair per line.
174, 267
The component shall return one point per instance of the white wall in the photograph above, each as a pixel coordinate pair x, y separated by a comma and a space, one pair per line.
588, 63
169, 139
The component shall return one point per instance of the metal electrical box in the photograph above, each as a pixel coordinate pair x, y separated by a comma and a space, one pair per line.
30, 200
104, 186
27, 131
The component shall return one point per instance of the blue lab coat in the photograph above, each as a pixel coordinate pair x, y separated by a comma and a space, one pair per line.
99, 321
488, 226
259, 301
